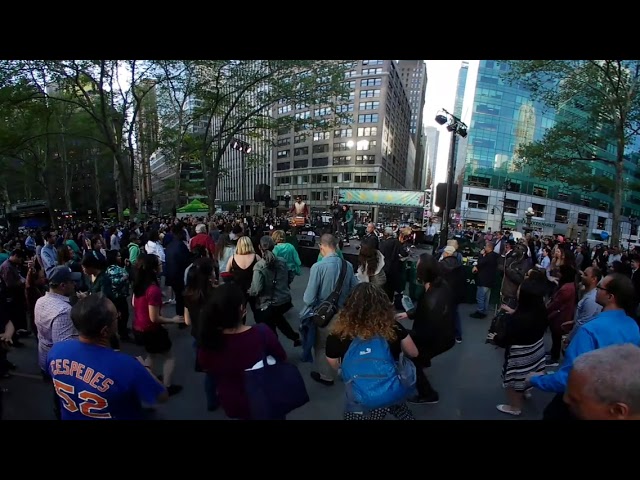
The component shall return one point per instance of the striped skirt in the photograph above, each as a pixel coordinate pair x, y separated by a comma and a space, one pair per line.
521, 360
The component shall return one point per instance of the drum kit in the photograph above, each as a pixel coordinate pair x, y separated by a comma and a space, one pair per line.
297, 221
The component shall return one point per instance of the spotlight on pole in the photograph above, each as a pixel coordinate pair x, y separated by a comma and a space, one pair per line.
456, 127
441, 119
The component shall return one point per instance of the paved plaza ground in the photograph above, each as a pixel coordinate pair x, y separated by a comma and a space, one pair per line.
467, 378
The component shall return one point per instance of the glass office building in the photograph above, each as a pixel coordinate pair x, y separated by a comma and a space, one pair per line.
496, 192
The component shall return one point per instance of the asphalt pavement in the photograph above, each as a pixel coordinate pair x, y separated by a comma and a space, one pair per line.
467, 378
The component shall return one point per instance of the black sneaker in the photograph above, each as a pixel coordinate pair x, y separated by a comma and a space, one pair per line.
174, 389
430, 400
458, 339
316, 376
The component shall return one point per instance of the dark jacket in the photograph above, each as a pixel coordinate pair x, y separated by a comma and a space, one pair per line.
178, 259
433, 321
370, 239
514, 271
451, 270
523, 327
487, 270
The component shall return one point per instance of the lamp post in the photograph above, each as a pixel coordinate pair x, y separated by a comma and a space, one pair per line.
507, 185
528, 216
287, 198
456, 127
244, 148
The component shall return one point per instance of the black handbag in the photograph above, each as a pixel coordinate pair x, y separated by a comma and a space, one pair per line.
498, 327
274, 390
327, 309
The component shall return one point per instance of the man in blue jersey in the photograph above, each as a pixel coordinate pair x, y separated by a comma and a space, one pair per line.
92, 380
616, 295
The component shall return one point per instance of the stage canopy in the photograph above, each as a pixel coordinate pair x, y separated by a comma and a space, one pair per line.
196, 206
393, 198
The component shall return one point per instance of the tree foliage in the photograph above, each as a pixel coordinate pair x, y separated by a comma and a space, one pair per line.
91, 109
597, 104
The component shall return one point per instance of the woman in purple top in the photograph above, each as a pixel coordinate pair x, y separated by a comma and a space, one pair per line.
227, 347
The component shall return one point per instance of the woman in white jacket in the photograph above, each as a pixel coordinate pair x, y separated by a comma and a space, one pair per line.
371, 266
153, 246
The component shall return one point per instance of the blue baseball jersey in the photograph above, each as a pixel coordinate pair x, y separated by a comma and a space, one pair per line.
95, 382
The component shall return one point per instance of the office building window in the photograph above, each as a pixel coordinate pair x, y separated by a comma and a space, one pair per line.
321, 136
583, 219
283, 153
562, 215
367, 131
283, 166
369, 105
299, 139
346, 177
368, 118
341, 147
342, 160
366, 145
283, 180
538, 210
301, 163
350, 73
371, 71
301, 151
365, 179
477, 201
284, 141
369, 93
372, 62
563, 196
320, 162
350, 85
284, 109
344, 108
510, 206
602, 221
321, 112
539, 192
365, 159
343, 133
321, 148
371, 82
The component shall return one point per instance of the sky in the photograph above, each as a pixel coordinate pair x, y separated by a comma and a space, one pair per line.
442, 81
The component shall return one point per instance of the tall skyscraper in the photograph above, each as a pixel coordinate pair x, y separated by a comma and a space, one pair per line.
497, 192
432, 136
414, 77
461, 143
369, 150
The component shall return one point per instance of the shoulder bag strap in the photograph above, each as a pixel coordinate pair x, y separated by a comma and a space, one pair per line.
343, 274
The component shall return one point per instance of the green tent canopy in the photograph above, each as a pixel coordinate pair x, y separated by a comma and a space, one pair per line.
195, 206
126, 212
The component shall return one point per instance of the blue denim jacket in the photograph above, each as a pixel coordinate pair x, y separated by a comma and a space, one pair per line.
308, 331
322, 280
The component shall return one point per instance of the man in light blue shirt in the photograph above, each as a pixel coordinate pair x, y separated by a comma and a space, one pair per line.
587, 308
322, 280
611, 327
49, 254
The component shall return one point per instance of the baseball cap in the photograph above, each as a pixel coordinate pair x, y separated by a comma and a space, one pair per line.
60, 275
449, 250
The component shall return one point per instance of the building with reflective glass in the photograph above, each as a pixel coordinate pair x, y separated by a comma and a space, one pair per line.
496, 193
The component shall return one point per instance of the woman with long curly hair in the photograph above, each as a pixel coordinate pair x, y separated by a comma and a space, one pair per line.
367, 314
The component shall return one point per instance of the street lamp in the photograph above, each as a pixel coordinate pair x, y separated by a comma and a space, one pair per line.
287, 198
456, 127
528, 215
243, 148
507, 186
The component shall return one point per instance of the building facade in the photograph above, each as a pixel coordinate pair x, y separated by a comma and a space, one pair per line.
414, 77
369, 150
461, 143
497, 191
255, 167
432, 137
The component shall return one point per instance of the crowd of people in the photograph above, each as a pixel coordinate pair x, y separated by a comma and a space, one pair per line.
74, 289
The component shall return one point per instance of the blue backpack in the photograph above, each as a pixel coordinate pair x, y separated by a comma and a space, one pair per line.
373, 379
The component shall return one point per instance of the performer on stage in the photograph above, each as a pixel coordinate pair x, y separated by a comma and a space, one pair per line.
300, 214
347, 223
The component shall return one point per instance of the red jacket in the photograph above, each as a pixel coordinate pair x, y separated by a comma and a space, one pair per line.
203, 240
562, 307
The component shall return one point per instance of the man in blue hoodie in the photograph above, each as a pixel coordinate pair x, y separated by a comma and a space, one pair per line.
613, 326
